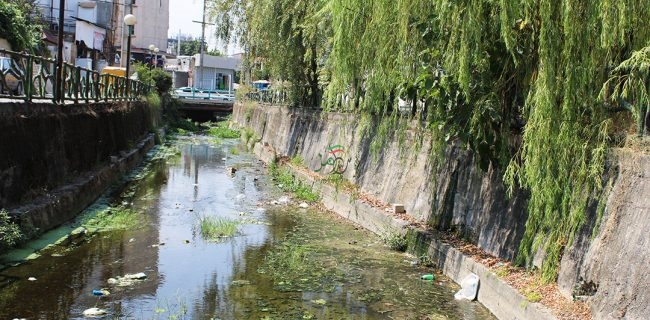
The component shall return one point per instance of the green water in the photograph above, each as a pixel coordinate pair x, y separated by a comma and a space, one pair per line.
283, 263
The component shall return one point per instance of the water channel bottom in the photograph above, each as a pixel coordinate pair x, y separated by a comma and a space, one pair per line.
284, 262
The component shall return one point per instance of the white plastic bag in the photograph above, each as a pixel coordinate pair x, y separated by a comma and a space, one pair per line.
469, 288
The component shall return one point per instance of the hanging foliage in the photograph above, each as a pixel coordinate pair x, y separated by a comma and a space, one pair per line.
480, 72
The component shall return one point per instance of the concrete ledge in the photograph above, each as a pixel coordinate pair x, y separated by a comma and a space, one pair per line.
61, 205
501, 299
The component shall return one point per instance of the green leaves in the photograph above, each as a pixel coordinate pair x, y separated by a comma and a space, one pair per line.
486, 73
18, 27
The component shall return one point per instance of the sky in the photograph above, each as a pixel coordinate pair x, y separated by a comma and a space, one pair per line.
181, 15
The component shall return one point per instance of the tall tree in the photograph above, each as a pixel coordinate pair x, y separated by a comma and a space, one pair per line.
191, 47
476, 71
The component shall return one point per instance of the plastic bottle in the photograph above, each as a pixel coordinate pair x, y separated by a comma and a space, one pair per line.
427, 277
101, 292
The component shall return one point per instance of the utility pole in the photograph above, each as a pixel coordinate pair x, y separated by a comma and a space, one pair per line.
58, 91
203, 23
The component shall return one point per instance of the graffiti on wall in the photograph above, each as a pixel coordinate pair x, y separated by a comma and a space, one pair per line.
336, 160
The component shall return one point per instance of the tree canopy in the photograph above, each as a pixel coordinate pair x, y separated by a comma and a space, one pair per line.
522, 83
191, 47
18, 27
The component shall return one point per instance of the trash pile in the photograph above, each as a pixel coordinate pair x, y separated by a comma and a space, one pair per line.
123, 281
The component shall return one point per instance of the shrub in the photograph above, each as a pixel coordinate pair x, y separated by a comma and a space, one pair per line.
9, 232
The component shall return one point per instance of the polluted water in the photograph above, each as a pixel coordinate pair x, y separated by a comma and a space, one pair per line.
201, 231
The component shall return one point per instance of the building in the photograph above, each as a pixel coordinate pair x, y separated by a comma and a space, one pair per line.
95, 34
215, 73
151, 28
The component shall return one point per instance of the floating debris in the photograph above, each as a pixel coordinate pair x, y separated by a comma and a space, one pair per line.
127, 279
240, 282
94, 312
101, 292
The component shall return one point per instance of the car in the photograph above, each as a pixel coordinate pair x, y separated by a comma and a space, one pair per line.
10, 77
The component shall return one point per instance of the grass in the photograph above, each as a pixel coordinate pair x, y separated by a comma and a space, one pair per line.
395, 241
216, 228
297, 160
533, 296
248, 135
289, 183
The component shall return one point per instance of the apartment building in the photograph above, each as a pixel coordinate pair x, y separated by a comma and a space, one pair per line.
95, 34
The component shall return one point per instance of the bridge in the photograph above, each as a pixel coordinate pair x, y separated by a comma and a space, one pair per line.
193, 99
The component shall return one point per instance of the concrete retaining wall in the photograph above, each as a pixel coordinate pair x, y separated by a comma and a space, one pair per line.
500, 298
457, 196
56, 160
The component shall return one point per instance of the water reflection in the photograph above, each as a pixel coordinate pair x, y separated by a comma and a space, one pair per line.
191, 278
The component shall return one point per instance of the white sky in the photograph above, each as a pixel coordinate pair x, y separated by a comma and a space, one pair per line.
181, 15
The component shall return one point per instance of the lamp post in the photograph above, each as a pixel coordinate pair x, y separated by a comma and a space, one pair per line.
155, 55
151, 47
130, 21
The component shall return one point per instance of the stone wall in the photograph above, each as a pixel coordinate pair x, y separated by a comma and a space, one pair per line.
615, 261
57, 159
458, 196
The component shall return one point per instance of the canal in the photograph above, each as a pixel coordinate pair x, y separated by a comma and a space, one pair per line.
283, 261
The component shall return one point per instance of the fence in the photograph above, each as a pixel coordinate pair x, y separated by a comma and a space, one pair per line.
28, 77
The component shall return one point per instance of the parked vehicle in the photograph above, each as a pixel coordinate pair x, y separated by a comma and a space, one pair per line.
10, 77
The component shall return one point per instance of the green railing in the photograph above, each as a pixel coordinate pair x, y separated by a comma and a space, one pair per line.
28, 77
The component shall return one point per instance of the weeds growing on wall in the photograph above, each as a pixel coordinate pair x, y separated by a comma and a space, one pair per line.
288, 182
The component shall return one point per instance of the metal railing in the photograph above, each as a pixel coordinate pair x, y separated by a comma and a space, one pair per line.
271, 96
28, 77
204, 94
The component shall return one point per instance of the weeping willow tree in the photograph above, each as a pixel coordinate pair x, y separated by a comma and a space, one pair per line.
628, 88
286, 36
516, 81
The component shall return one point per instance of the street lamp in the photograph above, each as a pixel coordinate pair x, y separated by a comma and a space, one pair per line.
130, 21
155, 55
151, 47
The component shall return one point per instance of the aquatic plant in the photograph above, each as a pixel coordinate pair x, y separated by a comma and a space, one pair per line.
115, 218
221, 130
299, 266
215, 228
